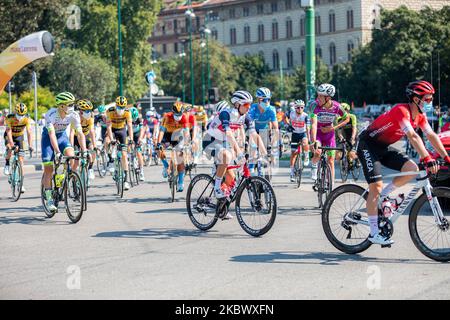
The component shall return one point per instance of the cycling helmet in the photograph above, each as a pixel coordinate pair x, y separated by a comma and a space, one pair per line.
21, 109
277, 104
200, 109
263, 93
345, 106
150, 114
64, 98
419, 89
177, 107
241, 97
326, 89
101, 108
84, 105
134, 113
121, 101
221, 105
299, 102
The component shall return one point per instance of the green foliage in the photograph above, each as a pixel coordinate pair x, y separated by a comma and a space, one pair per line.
45, 100
252, 72
84, 75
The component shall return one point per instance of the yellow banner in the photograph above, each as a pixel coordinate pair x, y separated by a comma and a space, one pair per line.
22, 52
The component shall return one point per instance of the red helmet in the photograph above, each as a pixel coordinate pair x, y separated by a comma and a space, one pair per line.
419, 88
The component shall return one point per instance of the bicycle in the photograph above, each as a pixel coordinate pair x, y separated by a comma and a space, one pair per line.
298, 165
172, 177
101, 160
346, 225
15, 178
191, 166
118, 175
66, 186
324, 184
259, 207
133, 166
347, 165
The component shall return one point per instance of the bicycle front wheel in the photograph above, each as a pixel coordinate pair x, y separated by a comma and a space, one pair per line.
256, 206
201, 202
325, 183
74, 197
16, 181
345, 220
101, 163
431, 238
298, 167
47, 212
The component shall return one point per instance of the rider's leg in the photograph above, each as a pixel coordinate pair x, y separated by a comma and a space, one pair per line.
372, 205
331, 163
397, 182
305, 147
224, 158
314, 161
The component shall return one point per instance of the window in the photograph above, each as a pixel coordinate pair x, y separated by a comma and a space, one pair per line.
233, 36
232, 13
247, 34
290, 58
332, 54
163, 29
350, 24
274, 6
317, 25
288, 28
318, 52
260, 32
246, 11
332, 21
260, 8
350, 47
275, 60
303, 55
302, 26
287, 4
164, 47
274, 30
175, 47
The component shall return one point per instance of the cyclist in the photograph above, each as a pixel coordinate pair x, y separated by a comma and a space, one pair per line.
348, 133
151, 126
138, 136
201, 118
55, 138
118, 120
85, 108
16, 123
100, 120
374, 149
325, 111
174, 130
299, 122
280, 114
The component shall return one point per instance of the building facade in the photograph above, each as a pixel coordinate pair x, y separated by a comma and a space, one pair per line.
275, 29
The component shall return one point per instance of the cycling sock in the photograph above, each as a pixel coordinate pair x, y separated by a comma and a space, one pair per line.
292, 170
373, 222
7, 162
387, 190
165, 163
218, 183
125, 175
48, 193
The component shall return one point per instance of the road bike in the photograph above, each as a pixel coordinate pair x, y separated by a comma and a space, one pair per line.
101, 160
298, 164
190, 165
16, 177
149, 153
345, 221
67, 187
348, 166
118, 175
254, 198
133, 166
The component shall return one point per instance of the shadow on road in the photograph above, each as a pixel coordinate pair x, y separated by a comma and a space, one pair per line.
31, 221
164, 234
320, 258
299, 211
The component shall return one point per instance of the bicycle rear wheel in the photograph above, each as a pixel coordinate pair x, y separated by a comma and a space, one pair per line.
256, 206
74, 197
47, 212
343, 165
342, 213
298, 169
172, 185
356, 169
201, 202
118, 177
101, 163
16, 181
431, 239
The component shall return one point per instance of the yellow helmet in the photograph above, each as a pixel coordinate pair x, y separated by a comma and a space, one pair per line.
200, 109
121, 101
177, 107
278, 104
21, 109
84, 105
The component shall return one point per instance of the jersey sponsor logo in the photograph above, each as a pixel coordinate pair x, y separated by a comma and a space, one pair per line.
383, 128
368, 159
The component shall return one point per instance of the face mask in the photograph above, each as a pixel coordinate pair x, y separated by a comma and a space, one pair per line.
177, 117
70, 108
427, 106
120, 112
19, 117
263, 105
86, 115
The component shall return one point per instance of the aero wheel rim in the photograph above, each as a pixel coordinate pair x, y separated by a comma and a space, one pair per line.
202, 201
74, 196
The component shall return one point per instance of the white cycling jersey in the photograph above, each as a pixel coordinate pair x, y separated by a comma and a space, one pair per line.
229, 118
54, 121
299, 121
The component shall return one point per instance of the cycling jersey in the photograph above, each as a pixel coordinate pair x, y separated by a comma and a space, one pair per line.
262, 119
325, 118
393, 125
201, 118
54, 122
151, 123
229, 119
100, 119
17, 127
137, 125
191, 120
170, 125
299, 122
87, 125
117, 121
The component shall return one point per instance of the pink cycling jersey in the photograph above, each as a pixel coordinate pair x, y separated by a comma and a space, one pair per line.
325, 118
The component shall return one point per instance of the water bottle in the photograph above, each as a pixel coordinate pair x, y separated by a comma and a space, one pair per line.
387, 208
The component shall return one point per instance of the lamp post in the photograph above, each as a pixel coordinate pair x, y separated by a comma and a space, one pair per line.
120, 46
190, 16
207, 32
310, 48
182, 55
202, 45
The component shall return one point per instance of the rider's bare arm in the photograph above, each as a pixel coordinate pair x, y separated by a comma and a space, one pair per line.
417, 143
437, 144
342, 123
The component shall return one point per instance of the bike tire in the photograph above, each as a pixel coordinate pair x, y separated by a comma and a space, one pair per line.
74, 180
344, 190
343, 165
101, 164
356, 170
443, 196
173, 185
206, 199
47, 212
298, 167
16, 184
255, 185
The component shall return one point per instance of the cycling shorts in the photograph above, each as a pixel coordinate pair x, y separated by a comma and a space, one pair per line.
296, 139
212, 147
76, 144
372, 156
47, 150
103, 133
18, 141
172, 138
120, 135
327, 140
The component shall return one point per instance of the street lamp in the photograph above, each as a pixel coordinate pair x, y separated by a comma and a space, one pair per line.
190, 16
207, 32
202, 45
182, 55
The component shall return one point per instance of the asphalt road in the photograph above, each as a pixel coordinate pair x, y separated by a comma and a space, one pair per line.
142, 247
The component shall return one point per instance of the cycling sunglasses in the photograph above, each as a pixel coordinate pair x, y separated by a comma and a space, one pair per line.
428, 100
299, 107
265, 100
246, 105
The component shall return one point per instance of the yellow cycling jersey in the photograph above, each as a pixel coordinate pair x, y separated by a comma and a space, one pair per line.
117, 121
201, 118
86, 125
17, 127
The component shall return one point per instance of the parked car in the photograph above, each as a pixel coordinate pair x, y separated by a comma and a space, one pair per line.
443, 177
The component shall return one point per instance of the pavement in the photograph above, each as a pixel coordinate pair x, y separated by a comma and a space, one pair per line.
143, 247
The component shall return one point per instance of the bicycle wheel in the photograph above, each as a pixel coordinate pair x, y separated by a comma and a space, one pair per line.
101, 163
325, 183
343, 165
47, 212
356, 169
201, 202
130, 171
74, 197
298, 169
16, 181
118, 177
430, 238
256, 206
341, 214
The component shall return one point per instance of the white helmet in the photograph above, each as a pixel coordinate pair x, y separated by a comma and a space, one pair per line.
150, 114
241, 97
299, 102
263, 93
221, 105
326, 89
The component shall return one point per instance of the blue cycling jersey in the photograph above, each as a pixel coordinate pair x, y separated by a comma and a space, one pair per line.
262, 119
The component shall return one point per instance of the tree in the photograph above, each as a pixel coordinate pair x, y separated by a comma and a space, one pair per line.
86, 76
252, 72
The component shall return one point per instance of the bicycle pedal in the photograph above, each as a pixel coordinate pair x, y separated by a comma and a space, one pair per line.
385, 245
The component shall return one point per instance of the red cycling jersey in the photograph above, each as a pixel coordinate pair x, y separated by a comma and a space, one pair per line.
393, 125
